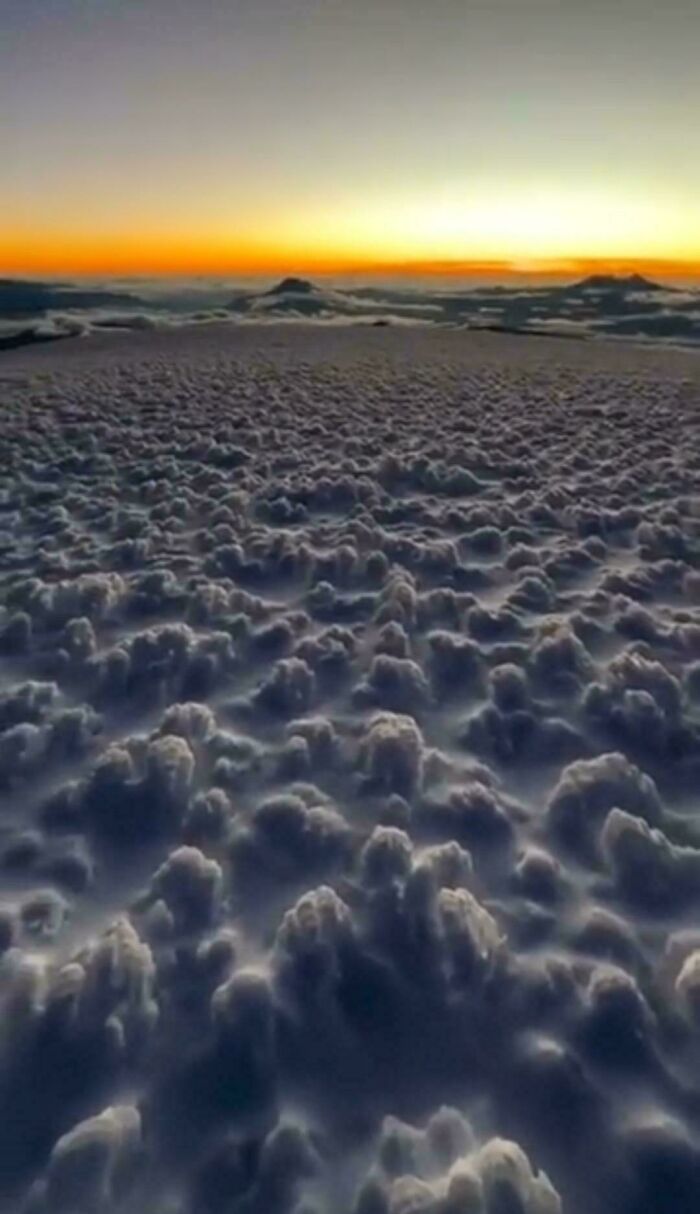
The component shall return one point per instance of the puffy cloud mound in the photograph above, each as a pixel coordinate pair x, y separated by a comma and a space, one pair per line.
29, 702
421, 917
589, 788
454, 663
130, 796
286, 1164
472, 813
469, 936
112, 987
329, 653
538, 875
70, 1030
92, 596
287, 838
397, 684
510, 688
290, 688
646, 866
514, 727
561, 658
320, 738
191, 721
641, 704
208, 817
41, 733
92, 1166
661, 1160
242, 1012
617, 1024
392, 754
190, 885
312, 940
386, 856
520, 735
441, 1170
168, 660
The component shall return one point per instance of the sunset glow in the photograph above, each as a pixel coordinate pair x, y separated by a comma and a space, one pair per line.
531, 244
169, 138
484, 227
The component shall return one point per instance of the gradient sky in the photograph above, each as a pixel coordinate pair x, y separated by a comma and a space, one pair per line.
242, 135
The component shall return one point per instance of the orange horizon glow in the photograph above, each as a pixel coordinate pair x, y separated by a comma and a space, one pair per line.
512, 140
496, 228
148, 258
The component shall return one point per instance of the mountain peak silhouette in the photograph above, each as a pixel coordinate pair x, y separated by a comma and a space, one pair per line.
617, 282
293, 286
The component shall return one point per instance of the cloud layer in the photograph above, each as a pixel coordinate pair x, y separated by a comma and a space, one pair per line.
632, 307
349, 728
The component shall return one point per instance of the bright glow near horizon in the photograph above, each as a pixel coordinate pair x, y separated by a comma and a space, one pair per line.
520, 223
231, 135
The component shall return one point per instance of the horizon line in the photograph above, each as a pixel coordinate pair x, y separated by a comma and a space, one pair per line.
542, 268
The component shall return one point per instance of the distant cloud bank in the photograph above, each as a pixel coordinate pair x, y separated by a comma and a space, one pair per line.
599, 305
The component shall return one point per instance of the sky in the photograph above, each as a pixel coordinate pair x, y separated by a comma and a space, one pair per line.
223, 136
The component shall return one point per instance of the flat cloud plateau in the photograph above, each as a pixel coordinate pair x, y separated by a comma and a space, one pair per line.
598, 307
349, 754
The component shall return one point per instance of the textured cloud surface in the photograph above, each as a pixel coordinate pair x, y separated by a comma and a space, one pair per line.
349, 740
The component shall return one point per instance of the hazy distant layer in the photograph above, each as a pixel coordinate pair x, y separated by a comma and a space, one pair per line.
349, 754
599, 306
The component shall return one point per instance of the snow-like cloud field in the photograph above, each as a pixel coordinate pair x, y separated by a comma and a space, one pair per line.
349, 757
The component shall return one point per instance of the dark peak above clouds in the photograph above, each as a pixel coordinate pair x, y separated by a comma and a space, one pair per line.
294, 286
290, 296
616, 282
